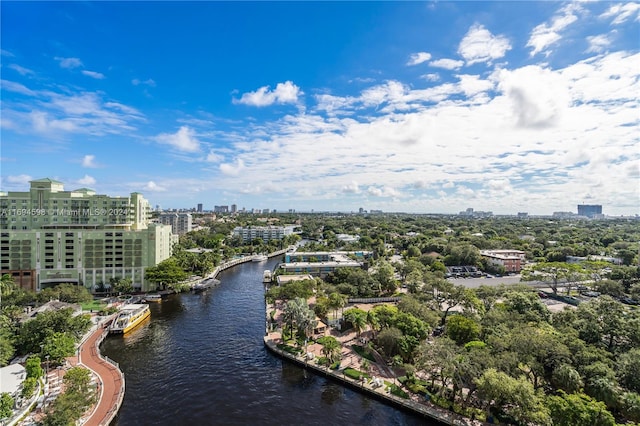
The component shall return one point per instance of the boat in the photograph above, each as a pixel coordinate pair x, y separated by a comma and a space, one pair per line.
152, 298
266, 276
205, 285
130, 317
259, 258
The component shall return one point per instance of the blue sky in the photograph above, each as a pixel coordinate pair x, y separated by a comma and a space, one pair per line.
427, 107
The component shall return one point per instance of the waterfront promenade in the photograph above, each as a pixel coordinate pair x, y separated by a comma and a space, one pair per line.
110, 384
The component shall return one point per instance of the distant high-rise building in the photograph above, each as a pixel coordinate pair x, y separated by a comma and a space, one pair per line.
199, 208
181, 223
234, 208
221, 209
590, 210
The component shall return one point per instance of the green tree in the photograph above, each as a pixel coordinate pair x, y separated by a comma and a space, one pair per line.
166, 273
6, 405
578, 409
462, 329
357, 318
58, 346
33, 367
330, 347
554, 273
513, 396
28, 386
121, 285
629, 370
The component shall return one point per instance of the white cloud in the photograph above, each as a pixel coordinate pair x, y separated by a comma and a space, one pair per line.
232, 169
151, 186
479, 45
21, 70
449, 64
19, 179
87, 180
418, 58
183, 140
385, 191
93, 74
622, 12
150, 82
69, 63
598, 44
431, 77
88, 161
351, 188
284, 93
67, 111
6, 53
547, 34
538, 96
213, 157
16, 87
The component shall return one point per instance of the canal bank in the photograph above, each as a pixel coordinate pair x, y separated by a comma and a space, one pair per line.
372, 388
203, 357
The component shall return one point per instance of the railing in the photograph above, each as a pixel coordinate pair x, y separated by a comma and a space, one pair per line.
373, 299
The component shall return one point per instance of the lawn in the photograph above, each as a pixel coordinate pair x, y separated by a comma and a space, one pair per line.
94, 305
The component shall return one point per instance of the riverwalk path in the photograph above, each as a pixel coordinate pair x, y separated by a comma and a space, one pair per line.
110, 380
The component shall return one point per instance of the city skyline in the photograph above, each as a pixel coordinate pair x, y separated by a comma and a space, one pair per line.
427, 107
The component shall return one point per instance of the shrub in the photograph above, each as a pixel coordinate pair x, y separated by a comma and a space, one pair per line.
355, 374
395, 390
364, 353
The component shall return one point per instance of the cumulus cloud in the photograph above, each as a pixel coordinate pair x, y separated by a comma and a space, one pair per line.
418, 58
622, 12
548, 33
151, 186
448, 64
538, 96
183, 140
479, 45
87, 180
598, 44
88, 161
351, 188
284, 93
93, 74
385, 191
69, 63
232, 169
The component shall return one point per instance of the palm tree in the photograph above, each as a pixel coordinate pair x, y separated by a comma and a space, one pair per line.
330, 347
359, 322
337, 301
374, 323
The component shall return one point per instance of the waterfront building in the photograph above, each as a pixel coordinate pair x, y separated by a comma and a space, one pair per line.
181, 223
511, 260
265, 233
50, 236
321, 264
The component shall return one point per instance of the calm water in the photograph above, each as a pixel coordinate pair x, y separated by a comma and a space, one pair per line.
201, 361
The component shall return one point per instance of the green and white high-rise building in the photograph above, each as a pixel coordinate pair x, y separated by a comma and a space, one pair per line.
50, 236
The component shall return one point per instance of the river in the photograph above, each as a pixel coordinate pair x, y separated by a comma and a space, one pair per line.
201, 360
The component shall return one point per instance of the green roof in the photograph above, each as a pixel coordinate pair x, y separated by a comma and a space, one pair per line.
46, 180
